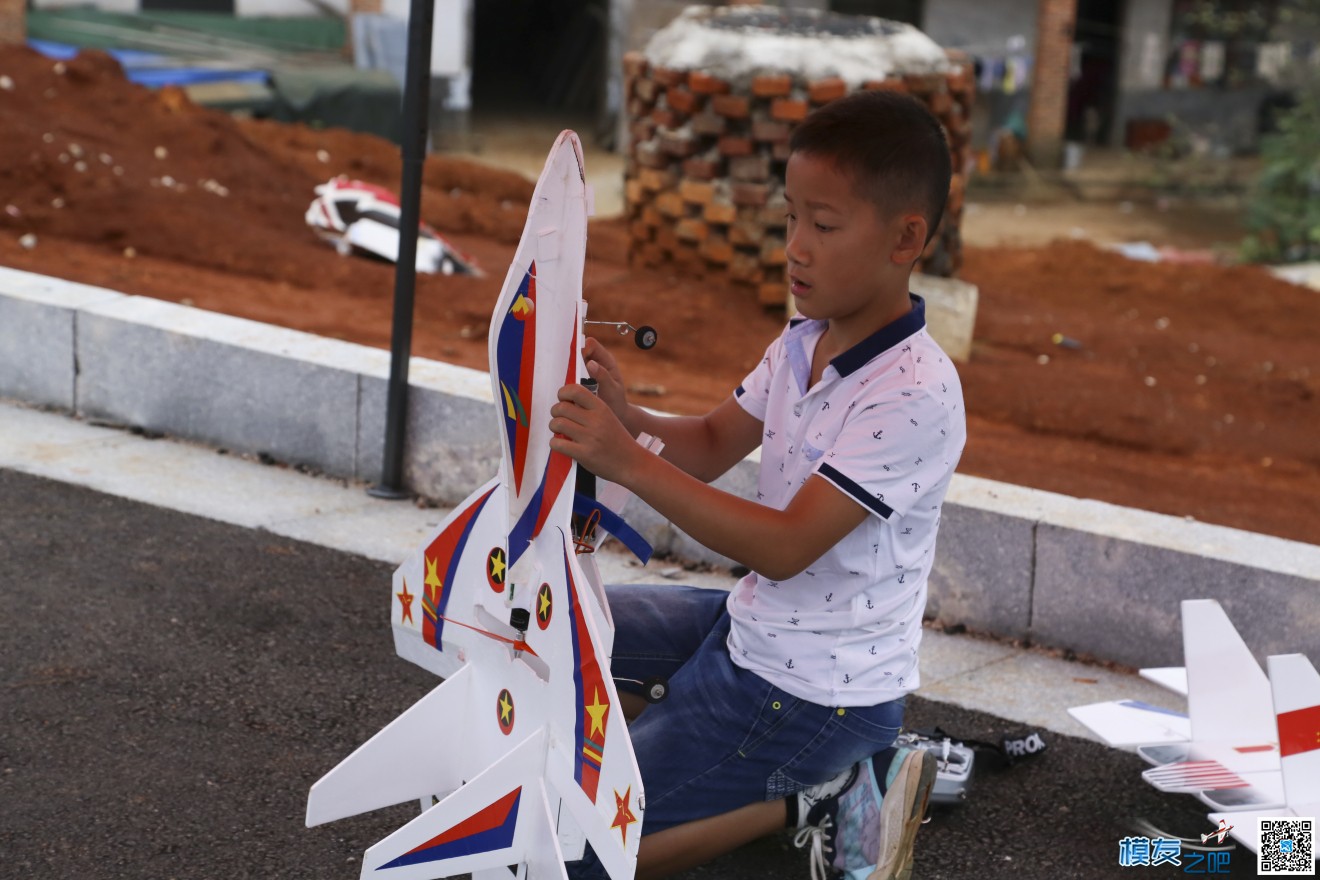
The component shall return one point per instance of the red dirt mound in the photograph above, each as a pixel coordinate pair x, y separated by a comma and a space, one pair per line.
1188, 390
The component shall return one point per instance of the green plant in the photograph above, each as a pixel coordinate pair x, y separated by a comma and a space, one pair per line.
1283, 213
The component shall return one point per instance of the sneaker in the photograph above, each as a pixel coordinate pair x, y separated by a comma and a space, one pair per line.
868, 830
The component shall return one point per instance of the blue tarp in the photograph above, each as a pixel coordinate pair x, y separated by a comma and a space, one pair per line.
154, 70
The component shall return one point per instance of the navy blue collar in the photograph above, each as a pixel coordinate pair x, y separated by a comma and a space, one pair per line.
882, 340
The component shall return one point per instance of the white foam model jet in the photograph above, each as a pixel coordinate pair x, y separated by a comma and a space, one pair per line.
1296, 688
521, 754
1225, 750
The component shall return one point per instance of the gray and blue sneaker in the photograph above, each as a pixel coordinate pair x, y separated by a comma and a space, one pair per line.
866, 831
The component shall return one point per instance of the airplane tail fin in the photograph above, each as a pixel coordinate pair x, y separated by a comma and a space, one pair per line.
1296, 688
501, 818
1228, 695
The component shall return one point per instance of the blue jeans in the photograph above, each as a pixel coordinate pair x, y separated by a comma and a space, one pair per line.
724, 737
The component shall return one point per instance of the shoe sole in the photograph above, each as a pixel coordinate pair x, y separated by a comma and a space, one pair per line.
913, 785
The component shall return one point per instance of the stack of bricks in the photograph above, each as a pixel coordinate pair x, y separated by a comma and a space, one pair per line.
704, 174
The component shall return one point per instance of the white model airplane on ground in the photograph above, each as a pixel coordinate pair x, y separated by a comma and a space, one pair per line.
1225, 750
1296, 688
521, 755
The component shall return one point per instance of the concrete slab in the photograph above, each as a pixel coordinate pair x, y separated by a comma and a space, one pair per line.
984, 569
1036, 689
233, 383
452, 443
950, 312
1119, 599
38, 328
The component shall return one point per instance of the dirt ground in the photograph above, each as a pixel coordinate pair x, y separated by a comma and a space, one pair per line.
1185, 389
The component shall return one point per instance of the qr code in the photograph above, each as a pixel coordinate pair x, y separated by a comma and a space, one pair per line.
1286, 846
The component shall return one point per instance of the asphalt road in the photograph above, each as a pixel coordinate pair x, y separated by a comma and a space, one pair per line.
170, 687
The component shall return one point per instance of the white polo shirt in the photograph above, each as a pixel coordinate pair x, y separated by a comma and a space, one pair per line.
885, 425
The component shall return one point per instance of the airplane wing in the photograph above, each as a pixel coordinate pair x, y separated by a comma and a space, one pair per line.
1173, 678
1126, 724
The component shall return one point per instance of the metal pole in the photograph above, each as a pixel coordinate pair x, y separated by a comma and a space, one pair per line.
416, 103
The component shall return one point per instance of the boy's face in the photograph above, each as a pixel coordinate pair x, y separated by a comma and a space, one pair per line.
841, 250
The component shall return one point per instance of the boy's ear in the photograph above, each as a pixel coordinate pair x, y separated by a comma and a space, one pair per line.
911, 239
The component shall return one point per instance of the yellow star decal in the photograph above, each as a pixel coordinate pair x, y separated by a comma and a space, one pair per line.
497, 566
405, 599
433, 582
506, 709
544, 610
597, 711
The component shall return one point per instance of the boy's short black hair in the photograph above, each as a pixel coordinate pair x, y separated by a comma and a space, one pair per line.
890, 144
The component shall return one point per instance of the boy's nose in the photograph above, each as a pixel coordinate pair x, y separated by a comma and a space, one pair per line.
795, 248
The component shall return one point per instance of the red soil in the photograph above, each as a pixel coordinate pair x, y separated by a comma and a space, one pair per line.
1184, 389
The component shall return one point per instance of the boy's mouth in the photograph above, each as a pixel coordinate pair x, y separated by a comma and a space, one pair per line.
797, 286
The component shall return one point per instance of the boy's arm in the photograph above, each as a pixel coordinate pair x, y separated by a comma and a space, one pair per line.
703, 446
775, 543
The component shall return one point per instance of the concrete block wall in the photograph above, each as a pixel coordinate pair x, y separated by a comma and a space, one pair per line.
704, 167
1014, 562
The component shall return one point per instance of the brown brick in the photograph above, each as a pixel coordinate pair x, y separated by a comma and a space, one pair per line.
689, 229
770, 130
667, 76
745, 268
651, 216
632, 191
752, 168
745, 232
638, 108
772, 85
666, 239
772, 253
701, 168
708, 123
642, 129
681, 143
780, 151
755, 194
665, 118
734, 145
957, 187
646, 90
822, 91
670, 204
649, 156
962, 79
705, 84
638, 231
723, 213
654, 179
924, 83
731, 106
635, 63
772, 294
682, 101
789, 109
885, 85
940, 103
774, 212
698, 192
716, 249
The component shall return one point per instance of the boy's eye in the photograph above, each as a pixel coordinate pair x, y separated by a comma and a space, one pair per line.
823, 228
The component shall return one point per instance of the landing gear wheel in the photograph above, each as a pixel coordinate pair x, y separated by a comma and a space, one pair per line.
646, 338
654, 690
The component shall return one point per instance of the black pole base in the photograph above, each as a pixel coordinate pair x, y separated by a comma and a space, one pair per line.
388, 494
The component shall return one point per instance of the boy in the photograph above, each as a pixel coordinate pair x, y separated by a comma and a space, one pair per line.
786, 695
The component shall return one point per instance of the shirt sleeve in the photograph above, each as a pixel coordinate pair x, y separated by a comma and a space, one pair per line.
754, 392
891, 452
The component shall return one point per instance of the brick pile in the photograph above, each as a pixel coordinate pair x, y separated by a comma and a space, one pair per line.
704, 175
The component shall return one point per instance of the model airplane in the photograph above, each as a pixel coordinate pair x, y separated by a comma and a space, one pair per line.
1296, 688
1225, 749
522, 754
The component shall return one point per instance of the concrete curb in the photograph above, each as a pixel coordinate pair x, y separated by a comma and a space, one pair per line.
1020, 563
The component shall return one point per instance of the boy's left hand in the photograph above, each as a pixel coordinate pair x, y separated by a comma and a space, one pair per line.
586, 430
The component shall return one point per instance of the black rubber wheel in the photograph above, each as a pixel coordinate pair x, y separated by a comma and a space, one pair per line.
646, 338
655, 689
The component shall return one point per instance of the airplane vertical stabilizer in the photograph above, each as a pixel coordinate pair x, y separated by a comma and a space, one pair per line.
1228, 695
1296, 688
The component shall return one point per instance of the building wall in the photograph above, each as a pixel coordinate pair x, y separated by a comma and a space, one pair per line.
977, 26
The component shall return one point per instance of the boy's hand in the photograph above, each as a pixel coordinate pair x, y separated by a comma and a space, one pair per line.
602, 367
586, 429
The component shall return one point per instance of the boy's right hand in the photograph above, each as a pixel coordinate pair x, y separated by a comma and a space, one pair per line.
602, 367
